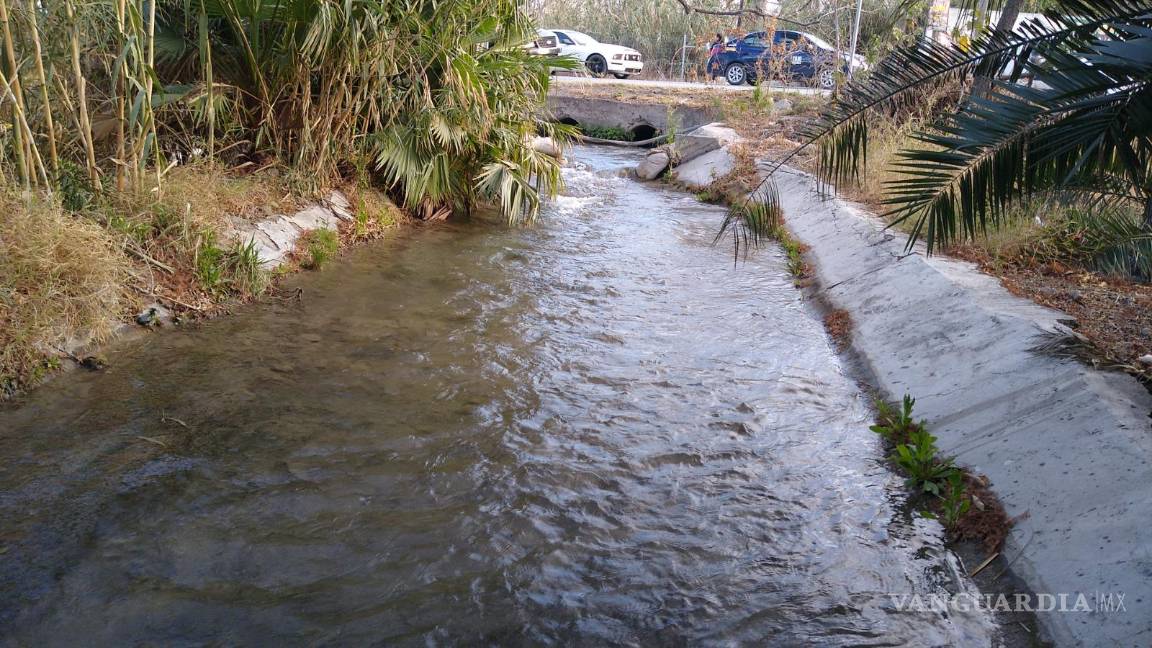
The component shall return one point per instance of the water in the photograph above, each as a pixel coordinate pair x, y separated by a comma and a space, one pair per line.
598, 431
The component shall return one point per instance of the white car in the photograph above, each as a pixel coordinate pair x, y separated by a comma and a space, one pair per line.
599, 58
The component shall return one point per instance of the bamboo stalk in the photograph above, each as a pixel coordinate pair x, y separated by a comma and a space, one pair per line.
149, 88
86, 136
49, 125
13, 83
20, 118
121, 90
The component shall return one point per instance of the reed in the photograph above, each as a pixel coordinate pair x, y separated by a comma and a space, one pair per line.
310, 85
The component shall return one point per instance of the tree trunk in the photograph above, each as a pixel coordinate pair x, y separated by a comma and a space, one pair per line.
1008, 15
1148, 212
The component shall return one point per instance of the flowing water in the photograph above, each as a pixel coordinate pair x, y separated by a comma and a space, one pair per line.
597, 431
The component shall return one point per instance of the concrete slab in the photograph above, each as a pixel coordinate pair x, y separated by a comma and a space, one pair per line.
702, 171
314, 217
1067, 447
717, 131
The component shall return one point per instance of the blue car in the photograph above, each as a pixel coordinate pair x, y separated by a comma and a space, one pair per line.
786, 55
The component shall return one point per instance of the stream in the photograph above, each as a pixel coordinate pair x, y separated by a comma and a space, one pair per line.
594, 431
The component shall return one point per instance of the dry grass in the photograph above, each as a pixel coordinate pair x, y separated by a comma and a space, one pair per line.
838, 323
375, 214
61, 282
212, 194
179, 235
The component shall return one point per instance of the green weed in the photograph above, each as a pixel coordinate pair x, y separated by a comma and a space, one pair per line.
608, 133
320, 246
916, 454
229, 270
210, 265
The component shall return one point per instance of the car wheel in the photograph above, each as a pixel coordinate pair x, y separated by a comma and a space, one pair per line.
596, 65
619, 76
736, 74
826, 78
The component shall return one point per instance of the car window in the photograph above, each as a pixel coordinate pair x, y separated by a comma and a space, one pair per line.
564, 38
818, 42
582, 39
755, 40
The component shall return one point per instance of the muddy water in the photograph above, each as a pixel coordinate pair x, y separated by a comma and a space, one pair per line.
593, 432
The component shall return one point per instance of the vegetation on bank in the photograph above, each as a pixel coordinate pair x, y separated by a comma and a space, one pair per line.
962, 503
136, 133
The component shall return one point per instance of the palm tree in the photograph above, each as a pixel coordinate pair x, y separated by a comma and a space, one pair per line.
1081, 133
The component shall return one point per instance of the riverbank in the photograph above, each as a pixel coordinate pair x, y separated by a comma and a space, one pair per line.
84, 271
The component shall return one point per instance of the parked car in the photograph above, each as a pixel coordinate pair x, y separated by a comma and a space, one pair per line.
599, 58
790, 54
545, 44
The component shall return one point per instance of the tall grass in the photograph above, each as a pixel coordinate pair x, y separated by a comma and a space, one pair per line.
60, 278
438, 95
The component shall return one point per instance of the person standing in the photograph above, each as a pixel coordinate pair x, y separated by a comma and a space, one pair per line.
714, 52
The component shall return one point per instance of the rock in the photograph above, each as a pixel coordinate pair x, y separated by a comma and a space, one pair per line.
704, 140
653, 165
1145, 360
94, 363
154, 315
706, 169
782, 106
314, 217
545, 145
281, 236
340, 206
690, 147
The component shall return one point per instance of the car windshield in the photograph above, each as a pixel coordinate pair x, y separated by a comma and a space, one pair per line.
818, 42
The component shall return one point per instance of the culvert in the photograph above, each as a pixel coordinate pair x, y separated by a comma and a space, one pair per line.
641, 132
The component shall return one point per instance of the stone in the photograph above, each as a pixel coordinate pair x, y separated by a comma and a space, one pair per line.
314, 217
653, 165
703, 140
702, 171
718, 131
690, 147
1145, 360
545, 145
340, 206
282, 235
